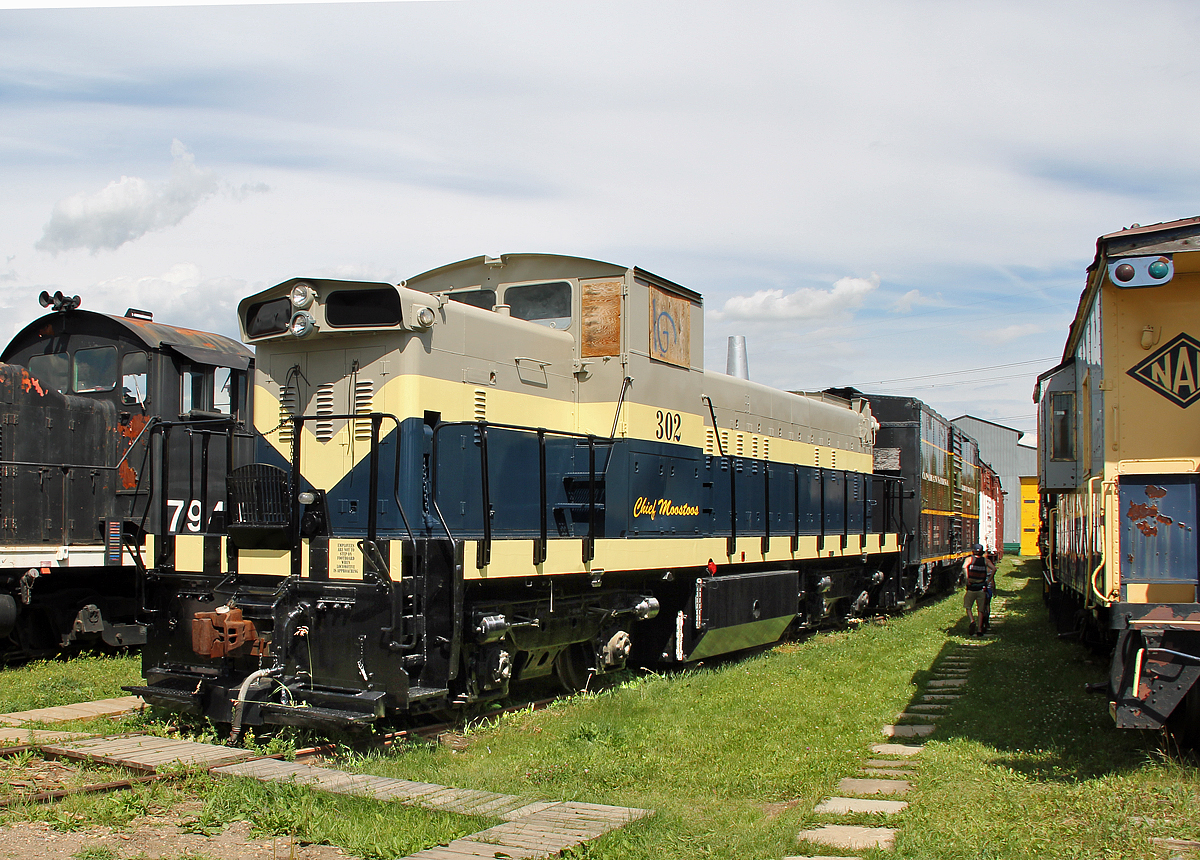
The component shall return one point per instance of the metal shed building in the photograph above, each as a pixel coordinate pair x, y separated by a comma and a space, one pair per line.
1000, 447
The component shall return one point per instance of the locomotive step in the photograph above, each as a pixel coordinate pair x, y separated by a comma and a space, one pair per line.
275, 712
167, 696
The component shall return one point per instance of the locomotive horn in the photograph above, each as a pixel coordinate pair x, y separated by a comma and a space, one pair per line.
59, 301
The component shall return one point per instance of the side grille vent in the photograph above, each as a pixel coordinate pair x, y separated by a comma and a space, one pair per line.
288, 402
480, 405
364, 404
324, 426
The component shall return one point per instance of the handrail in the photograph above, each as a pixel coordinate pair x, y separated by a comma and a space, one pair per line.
483, 550
377, 419
1092, 525
589, 543
625, 383
541, 545
731, 541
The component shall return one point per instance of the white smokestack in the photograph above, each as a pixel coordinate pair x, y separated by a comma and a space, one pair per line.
735, 364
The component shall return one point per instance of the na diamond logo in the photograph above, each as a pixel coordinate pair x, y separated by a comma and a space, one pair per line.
1173, 370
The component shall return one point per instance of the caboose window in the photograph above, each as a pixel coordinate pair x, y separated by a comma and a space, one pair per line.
134, 371
50, 370
95, 369
1062, 425
269, 317
345, 308
545, 304
485, 299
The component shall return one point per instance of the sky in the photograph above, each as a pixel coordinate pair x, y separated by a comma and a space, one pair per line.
903, 197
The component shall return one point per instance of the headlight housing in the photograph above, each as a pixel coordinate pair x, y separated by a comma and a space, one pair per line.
302, 296
302, 324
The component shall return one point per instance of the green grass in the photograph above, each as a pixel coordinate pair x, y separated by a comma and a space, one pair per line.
49, 683
734, 755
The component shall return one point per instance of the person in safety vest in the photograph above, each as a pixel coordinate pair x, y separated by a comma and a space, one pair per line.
979, 572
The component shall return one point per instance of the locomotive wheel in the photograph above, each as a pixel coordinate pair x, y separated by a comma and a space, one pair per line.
574, 668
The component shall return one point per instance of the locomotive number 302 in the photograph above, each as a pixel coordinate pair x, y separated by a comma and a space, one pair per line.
669, 424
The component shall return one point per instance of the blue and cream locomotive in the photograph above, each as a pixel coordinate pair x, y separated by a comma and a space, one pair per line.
502, 469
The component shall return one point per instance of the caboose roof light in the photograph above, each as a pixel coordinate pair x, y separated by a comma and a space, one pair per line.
302, 324
1141, 271
302, 296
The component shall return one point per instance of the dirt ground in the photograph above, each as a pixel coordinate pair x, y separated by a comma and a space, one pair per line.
154, 838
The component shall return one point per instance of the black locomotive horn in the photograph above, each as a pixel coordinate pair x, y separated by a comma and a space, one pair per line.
59, 301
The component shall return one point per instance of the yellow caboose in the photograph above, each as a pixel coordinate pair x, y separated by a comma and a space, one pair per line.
1119, 467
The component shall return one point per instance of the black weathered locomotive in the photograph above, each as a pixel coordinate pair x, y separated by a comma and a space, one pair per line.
87, 402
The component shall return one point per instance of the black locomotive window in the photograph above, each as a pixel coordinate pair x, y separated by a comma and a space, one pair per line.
95, 369
50, 370
346, 308
269, 317
225, 390
135, 369
485, 299
545, 304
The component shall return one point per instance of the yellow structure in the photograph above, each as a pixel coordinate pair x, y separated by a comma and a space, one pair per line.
1119, 470
1029, 515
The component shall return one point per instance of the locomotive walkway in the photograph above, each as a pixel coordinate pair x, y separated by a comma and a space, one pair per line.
887, 773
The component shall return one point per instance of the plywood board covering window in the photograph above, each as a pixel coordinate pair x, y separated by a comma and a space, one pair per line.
601, 318
670, 328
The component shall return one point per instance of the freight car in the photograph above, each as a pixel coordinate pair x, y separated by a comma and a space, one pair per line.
941, 472
991, 511
1119, 468
86, 399
502, 469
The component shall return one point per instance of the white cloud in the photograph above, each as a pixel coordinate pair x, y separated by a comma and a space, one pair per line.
804, 304
128, 208
906, 302
1012, 332
180, 296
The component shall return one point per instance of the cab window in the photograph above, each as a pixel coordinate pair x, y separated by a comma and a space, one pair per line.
134, 375
270, 317
351, 308
485, 299
219, 390
545, 304
95, 369
194, 390
50, 370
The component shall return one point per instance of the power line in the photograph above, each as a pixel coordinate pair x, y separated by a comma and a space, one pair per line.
968, 381
955, 372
